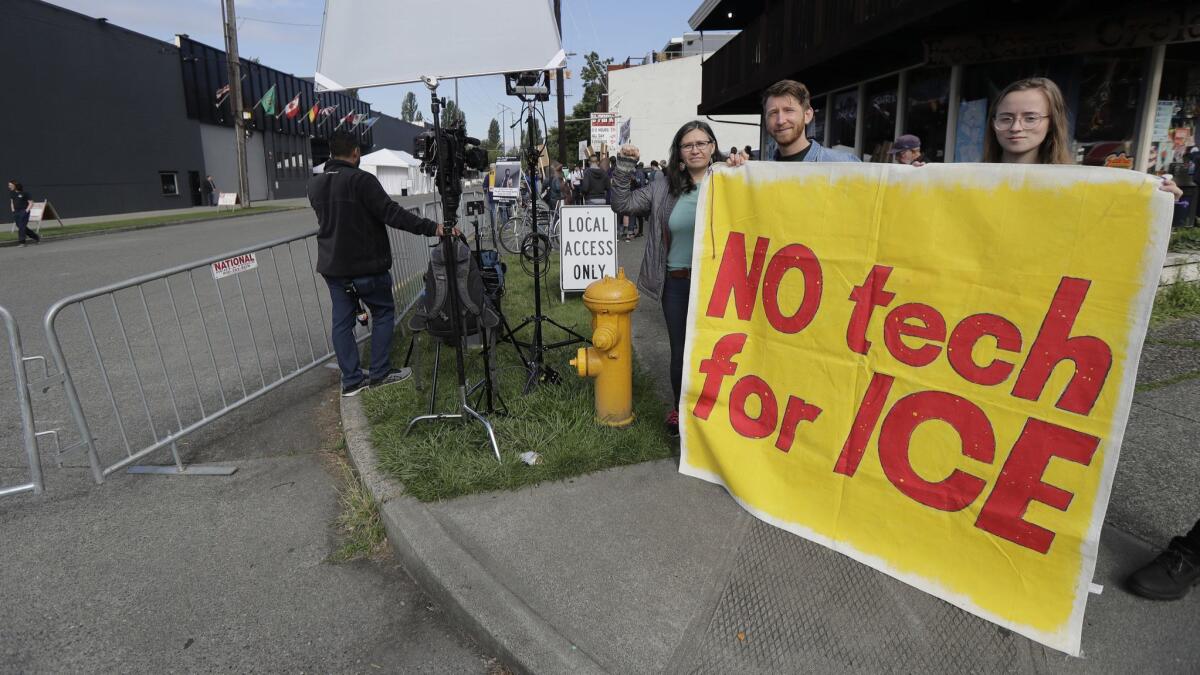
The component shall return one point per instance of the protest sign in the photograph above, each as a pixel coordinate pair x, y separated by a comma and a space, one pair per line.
508, 181
605, 132
928, 370
588, 246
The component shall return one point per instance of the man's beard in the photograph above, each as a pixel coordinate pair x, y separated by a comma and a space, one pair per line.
786, 136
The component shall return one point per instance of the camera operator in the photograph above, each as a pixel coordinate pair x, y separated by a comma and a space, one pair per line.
354, 255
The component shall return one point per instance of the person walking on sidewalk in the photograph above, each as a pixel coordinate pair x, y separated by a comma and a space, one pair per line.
1173, 573
670, 203
354, 256
21, 204
210, 189
595, 183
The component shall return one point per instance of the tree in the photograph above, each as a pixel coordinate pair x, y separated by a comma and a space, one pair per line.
453, 115
493, 137
595, 88
408, 109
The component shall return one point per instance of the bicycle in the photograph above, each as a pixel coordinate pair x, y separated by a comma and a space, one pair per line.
519, 226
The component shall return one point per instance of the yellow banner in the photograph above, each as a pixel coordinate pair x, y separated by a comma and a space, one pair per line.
928, 370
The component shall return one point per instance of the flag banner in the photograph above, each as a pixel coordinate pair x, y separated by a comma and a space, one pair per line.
345, 120
268, 101
928, 369
222, 94
313, 111
292, 109
328, 112
370, 122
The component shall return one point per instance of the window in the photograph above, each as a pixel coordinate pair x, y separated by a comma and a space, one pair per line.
845, 118
928, 97
879, 118
170, 183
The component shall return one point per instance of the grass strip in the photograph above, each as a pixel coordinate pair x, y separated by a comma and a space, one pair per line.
51, 230
1174, 302
442, 460
361, 530
1182, 377
1185, 239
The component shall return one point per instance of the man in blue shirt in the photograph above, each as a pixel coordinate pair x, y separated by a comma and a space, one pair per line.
787, 108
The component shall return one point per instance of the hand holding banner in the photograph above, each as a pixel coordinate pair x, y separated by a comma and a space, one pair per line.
928, 370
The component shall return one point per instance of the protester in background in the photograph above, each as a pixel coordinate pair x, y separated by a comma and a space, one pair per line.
210, 189
748, 153
907, 150
670, 203
576, 178
554, 186
654, 171
733, 151
354, 255
21, 204
1029, 124
788, 109
595, 183
641, 180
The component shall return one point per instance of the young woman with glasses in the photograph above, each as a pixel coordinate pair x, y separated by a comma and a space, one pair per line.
1029, 126
670, 203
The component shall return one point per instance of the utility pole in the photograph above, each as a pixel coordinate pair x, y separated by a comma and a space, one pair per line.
562, 101
235, 99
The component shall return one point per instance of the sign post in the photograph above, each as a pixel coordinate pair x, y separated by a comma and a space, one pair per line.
587, 247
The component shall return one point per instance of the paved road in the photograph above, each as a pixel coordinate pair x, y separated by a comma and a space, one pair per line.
151, 573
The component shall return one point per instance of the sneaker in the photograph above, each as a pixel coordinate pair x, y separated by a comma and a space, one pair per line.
673, 424
1169, 576
355, 389
394, 375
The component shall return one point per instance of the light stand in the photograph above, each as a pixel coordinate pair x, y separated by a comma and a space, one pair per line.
536, 247
450, 195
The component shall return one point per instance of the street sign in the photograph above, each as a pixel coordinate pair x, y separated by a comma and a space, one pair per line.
588, 246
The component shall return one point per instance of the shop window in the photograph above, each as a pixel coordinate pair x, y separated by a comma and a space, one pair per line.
169, 181
816, 128
845, 118
1107, 108
879, 118
928, 98
1177, 113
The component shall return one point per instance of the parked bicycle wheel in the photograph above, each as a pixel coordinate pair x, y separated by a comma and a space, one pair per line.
511, 234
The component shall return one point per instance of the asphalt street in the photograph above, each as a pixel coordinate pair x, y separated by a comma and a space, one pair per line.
157, 573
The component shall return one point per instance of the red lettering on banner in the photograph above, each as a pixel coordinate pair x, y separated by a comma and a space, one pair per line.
932, 327
959, 489
733, 277
1091, 356
864, 424
962, 345
716, 369
1020, 482
768, 415
867, 297
797, 411
792, 256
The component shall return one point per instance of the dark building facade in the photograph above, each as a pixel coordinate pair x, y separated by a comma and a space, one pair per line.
95, 120
105, 120
395, 134
1130, 72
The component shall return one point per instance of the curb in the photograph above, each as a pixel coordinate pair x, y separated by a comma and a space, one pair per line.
499, 620
150, 226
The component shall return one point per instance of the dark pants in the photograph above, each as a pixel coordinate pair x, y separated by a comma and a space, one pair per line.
376, 293
212, 199
22, 220
675, 309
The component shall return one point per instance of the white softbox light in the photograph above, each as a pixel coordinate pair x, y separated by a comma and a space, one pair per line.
372, 43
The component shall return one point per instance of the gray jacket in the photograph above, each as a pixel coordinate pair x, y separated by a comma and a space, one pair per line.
656, 202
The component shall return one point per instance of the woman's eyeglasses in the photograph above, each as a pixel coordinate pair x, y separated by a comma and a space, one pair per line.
1006, 121
693, 147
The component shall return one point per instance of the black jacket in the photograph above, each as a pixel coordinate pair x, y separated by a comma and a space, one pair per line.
352, 210
594, 184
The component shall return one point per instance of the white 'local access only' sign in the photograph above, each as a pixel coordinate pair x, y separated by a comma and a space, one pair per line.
588, 246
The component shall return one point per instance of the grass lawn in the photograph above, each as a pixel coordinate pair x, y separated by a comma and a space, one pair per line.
51, 230
1185, 239
1177, 301
441, 460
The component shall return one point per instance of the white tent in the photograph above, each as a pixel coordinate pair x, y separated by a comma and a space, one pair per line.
398, 172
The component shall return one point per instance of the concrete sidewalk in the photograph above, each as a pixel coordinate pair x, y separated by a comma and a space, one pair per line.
198, 210
640, 569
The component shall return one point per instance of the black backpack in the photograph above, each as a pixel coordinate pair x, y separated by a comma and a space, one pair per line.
434, 311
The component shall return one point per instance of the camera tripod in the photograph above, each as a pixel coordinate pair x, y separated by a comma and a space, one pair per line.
536, 249
451, 193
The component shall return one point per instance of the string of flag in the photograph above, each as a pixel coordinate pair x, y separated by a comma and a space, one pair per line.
316, 114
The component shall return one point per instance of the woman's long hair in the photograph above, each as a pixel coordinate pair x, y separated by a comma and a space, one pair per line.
1056, 147
17, 185
679, 180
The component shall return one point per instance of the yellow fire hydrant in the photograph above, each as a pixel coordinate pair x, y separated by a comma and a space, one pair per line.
610, 358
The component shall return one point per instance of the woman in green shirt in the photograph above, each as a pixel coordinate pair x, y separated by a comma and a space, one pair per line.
670, 203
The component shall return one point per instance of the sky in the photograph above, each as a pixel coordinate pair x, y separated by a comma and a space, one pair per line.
284, 35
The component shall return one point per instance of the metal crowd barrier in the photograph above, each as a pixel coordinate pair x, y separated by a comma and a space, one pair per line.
150, 360
28, 434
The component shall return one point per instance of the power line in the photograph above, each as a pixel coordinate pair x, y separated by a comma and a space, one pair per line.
281, 23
